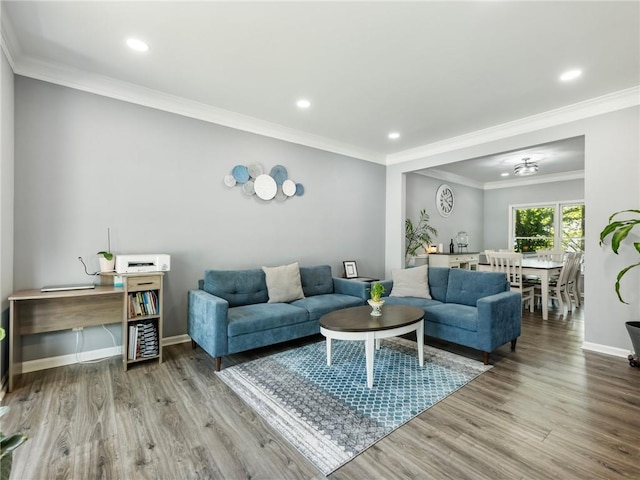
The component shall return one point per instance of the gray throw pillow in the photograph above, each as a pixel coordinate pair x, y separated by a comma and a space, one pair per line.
410, 282
283, 283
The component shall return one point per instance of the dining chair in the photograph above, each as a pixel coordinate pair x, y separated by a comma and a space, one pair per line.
510, 263
558, 288
573, 283
550, 255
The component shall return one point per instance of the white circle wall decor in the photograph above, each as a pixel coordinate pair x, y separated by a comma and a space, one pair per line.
444, 200
289, 188
229, 181
252, 181
265, 187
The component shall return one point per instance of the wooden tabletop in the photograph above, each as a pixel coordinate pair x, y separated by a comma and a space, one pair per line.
359, 319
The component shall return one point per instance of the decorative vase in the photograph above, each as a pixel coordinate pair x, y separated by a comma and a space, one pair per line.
107, 265
376, 306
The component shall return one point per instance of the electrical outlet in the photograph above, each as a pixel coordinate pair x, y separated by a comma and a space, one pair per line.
77, 329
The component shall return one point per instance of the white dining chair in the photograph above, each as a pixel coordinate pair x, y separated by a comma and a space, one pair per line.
573, 283
550, 255
510, 263
558, 288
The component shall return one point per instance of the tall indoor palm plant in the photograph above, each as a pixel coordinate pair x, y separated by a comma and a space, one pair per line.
418, 235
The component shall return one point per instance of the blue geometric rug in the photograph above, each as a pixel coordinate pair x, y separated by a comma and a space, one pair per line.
328, 413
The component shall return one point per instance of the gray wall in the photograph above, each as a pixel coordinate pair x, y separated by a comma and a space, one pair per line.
86, 162
497, 202
467, 214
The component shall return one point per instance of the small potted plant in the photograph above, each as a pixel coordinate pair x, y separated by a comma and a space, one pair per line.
376, 302
107, 261
619, 231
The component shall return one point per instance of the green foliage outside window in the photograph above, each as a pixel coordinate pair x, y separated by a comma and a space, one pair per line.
534, 229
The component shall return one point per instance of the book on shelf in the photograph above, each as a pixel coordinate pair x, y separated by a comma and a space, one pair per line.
143, 341
143, 304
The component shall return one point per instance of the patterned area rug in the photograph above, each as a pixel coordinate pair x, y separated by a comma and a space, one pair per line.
328, 413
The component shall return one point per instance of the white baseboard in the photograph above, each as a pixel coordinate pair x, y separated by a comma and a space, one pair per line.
606, 349
92, 355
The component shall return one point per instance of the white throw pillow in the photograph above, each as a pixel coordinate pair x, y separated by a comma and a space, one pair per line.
283, 283
412, 282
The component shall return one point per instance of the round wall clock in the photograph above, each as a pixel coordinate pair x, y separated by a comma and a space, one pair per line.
444, 200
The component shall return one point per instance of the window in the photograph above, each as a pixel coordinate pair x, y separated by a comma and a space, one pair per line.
548, 226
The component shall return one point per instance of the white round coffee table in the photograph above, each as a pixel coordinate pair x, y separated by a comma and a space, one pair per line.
357, 323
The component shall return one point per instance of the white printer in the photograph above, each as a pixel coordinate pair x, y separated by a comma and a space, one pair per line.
143, 262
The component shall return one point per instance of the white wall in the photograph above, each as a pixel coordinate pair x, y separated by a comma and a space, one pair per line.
6, 198
612, 169
86, 162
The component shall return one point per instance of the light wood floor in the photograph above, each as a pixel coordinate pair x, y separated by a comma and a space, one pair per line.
547, 410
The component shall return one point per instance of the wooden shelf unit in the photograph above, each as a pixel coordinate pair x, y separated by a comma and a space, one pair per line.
144, 283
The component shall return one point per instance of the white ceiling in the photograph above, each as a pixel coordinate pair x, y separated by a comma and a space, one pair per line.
430, 70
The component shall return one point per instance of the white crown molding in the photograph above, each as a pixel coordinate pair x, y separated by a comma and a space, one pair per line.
8, 41
535, 180
450, 177
128, 92
606, 349
589, 108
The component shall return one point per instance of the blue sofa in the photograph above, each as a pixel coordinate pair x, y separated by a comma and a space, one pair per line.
230, 313
474, 309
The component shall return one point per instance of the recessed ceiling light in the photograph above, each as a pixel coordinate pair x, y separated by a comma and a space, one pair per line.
505, 174
394, 135
303, 103
137, 45
570, 75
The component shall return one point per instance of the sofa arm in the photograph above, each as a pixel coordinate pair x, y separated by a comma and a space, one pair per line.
207, 322
351, 287
500, 317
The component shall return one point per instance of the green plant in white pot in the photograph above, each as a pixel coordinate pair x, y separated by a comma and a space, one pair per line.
107, 261
620, 225
376, 302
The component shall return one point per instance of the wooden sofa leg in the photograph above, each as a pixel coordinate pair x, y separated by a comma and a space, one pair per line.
218, 363
193, 344
485, 358
513, 344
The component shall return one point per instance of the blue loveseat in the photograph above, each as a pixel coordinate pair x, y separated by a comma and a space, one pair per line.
474, 309
230, 312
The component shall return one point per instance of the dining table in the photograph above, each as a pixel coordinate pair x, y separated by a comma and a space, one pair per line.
544, 269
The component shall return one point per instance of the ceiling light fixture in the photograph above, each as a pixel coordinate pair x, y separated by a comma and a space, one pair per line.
303, 103
570, 75
137, 45
526, 168
504, 174
394, 135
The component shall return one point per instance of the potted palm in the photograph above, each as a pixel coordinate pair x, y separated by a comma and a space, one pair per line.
417, 236
619, 226
376, 302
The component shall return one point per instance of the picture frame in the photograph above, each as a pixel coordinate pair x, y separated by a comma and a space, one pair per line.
350, 269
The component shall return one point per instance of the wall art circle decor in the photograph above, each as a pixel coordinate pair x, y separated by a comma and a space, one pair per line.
240, 173
253, 181
265, 187
279, 174
229, 181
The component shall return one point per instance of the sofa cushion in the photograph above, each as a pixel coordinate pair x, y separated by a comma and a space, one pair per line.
413, 301
238, 287
453, 315
316, 280
410, 282
467, 286
263, 316
283, 283
438, 282
319, 305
